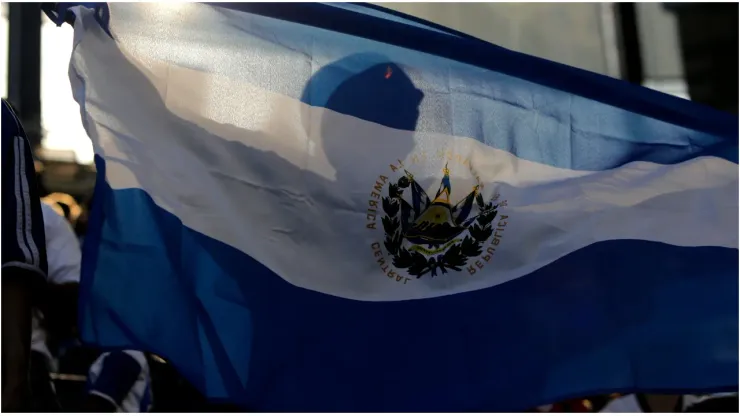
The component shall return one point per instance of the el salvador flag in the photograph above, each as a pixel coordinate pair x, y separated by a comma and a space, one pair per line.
333, 207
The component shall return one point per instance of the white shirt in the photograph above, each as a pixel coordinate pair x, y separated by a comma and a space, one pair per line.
64, 258
62, 248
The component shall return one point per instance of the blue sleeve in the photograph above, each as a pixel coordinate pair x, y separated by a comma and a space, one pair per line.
23, 241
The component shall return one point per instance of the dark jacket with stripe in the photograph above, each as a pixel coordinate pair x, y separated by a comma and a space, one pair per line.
23, 243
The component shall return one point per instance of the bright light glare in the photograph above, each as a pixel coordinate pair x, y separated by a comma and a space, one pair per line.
60, 113
4, 52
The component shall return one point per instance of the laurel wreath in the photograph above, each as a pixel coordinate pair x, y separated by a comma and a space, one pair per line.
455, 258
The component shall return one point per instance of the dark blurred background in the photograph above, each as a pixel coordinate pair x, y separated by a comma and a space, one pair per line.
689, 50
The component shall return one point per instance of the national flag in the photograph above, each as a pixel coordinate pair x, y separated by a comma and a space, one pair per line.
334, 207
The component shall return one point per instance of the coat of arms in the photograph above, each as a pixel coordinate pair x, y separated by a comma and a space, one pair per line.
425, 236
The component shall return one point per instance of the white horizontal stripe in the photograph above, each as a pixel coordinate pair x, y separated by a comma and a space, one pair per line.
290, 185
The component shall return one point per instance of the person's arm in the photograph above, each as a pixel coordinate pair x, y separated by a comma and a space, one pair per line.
23, 258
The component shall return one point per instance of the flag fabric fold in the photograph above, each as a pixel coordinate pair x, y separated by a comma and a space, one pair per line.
320, 207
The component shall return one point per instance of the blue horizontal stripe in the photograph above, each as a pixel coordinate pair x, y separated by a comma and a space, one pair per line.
614, 316
393, 15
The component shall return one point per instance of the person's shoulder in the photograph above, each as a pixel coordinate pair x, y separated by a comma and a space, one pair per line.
11, 125
12, 128
7, 108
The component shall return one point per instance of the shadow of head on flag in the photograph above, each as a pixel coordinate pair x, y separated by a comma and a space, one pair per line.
369, 87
